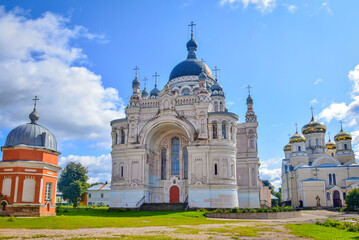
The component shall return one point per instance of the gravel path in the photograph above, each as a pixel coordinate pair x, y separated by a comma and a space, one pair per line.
272, 229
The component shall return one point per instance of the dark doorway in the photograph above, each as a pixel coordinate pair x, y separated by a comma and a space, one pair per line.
174, 194
336, 199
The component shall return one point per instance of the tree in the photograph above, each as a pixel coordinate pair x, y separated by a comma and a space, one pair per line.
352, 199
277, 194
72, 182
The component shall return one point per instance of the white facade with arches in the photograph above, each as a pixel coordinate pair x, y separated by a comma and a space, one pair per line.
182, 145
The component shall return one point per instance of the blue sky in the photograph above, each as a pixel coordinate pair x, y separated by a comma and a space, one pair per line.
78, 57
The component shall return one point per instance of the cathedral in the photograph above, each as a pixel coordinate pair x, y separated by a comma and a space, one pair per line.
315, 173
182, 145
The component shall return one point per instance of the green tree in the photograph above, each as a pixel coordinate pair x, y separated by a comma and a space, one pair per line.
278, 194
352, 199
72, 182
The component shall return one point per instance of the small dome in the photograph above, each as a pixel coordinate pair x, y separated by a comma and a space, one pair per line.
32, 135
297, 138
144, 93
249, 100
314, 127
202, 76
287, 147
216, 87
154, 92
135, 82
192, 43
341, 136
330, 145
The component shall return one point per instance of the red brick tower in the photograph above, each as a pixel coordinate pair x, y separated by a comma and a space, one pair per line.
29, 170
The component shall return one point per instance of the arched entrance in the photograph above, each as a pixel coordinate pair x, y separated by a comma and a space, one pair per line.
174, 194
336, 199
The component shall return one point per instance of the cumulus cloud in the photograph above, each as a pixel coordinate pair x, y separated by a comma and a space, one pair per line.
271, 170
348, 112
317, 81
99, 168
292, 8
37, 57
264, 6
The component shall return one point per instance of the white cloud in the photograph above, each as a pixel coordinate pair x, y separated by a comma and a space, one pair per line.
325, 5
292, 8
37, 57
273, 174
99, 168
314, 101
317, 81
264, 6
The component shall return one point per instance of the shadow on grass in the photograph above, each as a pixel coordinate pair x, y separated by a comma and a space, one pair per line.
105, 212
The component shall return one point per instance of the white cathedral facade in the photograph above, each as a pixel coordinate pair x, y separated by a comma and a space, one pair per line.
182, 145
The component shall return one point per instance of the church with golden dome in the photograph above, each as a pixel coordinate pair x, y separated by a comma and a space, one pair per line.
315, 173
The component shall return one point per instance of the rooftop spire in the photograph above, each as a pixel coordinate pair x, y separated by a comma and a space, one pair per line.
34, 116
155, 76
136, 69
329, 135
249, 89
145, 80
192, 25
215, 70
296, 127
341, 125
311, 109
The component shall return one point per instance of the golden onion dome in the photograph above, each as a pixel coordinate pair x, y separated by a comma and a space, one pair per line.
330, 145
342, 136
297, 138
287, 147
314, 127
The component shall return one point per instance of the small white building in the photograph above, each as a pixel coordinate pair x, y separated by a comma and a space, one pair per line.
98, 194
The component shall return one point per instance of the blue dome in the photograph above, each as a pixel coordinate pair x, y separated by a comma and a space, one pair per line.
135, 82
154, 92
33, 135
190, 66
144, 93
216, 87
192, 43
249, 100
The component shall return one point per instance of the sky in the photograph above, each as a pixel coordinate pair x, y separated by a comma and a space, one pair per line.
78, 58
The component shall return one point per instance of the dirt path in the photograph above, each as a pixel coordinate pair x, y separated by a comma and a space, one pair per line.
266, 229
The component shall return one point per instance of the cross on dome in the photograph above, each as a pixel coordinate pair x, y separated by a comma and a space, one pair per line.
35, 99
249, 89
155, 76
192, 25
296, 127
341, 125
215, 70
145, 81
136, 69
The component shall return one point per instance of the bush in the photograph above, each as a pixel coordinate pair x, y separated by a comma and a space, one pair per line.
274, 209
11, 219
235, 210
352, 199
202, 210
218, 210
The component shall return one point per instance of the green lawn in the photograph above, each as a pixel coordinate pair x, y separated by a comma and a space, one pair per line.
320, 232
70, 218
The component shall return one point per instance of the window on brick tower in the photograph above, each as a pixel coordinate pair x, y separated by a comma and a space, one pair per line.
48, 191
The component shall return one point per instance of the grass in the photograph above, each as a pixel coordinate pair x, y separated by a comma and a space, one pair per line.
321, 232
70, 218
131, 237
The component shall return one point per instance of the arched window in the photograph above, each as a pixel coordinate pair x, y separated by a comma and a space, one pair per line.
316, 142
122, 136
163, 164
215, 169
121, 171
299, 148
345, 146
185, 163
310, 142
328, 196
221, 106
332, 154
330, 179
224, 130
334, 179
175, 156
344, 196
214, 126
231, 133
186, 92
